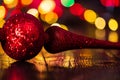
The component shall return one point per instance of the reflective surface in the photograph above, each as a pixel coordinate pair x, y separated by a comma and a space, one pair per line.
84, 64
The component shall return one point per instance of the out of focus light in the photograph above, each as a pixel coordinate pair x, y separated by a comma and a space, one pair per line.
90, 16
11, 3
46, 6
58, 10
67, 3
113, 24
100, 23
2, 23
26, 2
77, 9
2, 12
33, 12
110, 3
42, 16
100, 34
113, 37
51, 17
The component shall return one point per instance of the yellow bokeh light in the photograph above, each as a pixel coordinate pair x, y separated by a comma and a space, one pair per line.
2, 23
113, 37
33, 12
2, 12
51, 17
42, 16
113, 24
90, 16
11, 3
46, 6
100, 23
100, 34
26, 2
8, 1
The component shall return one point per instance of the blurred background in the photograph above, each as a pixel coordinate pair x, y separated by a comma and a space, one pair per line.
99, 19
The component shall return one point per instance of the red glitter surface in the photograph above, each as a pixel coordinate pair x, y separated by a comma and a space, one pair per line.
23, 36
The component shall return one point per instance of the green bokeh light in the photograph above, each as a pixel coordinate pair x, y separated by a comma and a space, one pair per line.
67, 3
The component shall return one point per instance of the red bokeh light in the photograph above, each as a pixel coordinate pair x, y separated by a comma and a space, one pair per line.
110, 3
77, 9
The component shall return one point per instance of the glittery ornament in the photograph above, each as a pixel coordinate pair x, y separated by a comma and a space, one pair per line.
61, 40
23, 36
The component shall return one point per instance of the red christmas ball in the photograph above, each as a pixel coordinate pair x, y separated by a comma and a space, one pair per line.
23, 36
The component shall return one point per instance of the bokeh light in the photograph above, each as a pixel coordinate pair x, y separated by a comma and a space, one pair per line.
33, 12
113, 24
110, 3
113, 37
100, 23
11, 3
2, 12
58, 10
67, 3
51, 17
46, 6
77, 9
100, 34
2, 23
90, 16
26, 2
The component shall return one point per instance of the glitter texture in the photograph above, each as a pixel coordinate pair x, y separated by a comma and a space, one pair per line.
23, 36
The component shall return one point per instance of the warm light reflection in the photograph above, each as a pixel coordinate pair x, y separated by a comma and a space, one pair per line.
77, 9
90, 16
64, 27
67, 3
11, 3
51, 17
2, 23
86, 56
33, 12
100, 34
113, 24
69, 60
56, 24
2, 12
113, 37
26, 2
60, 25
46, 6
100, 23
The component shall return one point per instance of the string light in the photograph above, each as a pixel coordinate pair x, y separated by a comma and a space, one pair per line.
26, 2
113, 24
77, 9
2, 12
46, 6
90, 16
11, 3
51, 17
100, 23
67, 3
